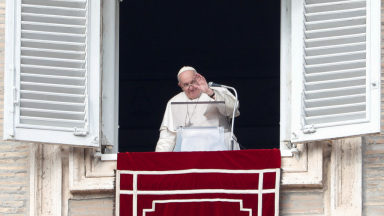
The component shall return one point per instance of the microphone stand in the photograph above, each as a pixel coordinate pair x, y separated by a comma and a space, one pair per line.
234, 110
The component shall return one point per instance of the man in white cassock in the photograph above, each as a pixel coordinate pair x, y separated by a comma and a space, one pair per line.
195, 89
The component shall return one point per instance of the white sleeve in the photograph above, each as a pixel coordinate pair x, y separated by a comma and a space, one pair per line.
230, 100
166, 141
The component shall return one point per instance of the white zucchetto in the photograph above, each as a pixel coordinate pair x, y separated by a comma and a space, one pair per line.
186, 68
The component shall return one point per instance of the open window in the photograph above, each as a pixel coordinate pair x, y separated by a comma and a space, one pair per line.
52, 71
229, 42
330, 68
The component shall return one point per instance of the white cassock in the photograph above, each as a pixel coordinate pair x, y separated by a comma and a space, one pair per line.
168, 133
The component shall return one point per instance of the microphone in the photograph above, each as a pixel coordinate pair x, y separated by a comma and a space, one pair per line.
212, 84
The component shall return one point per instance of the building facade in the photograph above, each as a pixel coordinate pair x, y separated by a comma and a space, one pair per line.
338, 177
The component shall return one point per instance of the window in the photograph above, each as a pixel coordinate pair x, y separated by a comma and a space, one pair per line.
226, 41
330, 69
52, 72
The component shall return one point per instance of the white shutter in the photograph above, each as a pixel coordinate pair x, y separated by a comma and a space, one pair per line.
335, 68
52, 71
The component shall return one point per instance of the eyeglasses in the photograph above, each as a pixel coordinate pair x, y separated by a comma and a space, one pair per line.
193, 83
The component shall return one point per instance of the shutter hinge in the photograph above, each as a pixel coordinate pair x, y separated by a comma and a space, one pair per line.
15, 98
309, 129
96, 140
374, 84
295, 152
287, 143
295, 136
80, 132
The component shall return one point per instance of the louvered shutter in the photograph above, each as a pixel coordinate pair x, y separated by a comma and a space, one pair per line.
52, 71
335, 68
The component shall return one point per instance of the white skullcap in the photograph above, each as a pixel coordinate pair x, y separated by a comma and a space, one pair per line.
185, 68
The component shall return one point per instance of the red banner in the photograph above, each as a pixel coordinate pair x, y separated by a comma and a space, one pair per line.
199, 183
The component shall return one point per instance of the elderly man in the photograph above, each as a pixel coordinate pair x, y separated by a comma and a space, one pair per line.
195, 88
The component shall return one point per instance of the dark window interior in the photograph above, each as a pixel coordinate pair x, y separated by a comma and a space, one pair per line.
231, 42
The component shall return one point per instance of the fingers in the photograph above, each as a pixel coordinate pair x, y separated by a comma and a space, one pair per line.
201, 81
200, 77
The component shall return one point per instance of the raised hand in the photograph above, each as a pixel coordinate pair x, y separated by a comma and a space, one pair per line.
203, 85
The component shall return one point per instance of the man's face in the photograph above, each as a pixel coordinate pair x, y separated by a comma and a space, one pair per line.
188, 83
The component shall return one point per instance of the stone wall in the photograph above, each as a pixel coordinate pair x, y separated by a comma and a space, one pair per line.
94, 207
308, 201
301, 202
373, 155
14, 176
14, 181
373, 175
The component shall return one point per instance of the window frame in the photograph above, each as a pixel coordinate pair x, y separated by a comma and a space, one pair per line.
110, 79
306, 171
111, 85
285, 78
111, 64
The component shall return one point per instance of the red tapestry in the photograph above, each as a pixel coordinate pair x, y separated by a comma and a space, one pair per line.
221, 183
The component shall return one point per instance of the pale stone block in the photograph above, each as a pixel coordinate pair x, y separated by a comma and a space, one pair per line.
13, 182
7, 174
287, 211
9, 188
79, 209
374, 203
87, 203
6, 161
311, 197
13, 154
22, 147
371, 159
320, 210
12, 203
18, 168
7, 210
21, 175
109, 202
5, 147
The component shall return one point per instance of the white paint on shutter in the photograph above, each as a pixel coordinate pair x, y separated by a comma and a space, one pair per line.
57, 73
53, 64
334, 63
